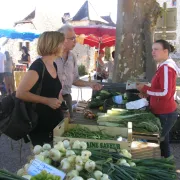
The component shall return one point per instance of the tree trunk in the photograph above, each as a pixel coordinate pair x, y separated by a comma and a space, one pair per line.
135, 25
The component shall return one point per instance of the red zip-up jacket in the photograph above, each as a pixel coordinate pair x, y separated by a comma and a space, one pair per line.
163, 87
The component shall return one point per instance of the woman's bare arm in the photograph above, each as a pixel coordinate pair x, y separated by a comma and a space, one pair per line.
29, 80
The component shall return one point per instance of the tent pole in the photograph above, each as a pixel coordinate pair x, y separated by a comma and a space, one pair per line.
98, 56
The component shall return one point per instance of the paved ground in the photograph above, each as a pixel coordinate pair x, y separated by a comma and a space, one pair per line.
10, 154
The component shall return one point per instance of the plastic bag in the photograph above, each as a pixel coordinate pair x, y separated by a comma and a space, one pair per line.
138, 104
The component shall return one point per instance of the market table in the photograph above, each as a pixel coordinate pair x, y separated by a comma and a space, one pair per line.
139, 149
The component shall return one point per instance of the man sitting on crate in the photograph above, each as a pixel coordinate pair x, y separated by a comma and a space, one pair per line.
68, 69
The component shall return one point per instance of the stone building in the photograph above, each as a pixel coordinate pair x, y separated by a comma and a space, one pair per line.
39, 20
174, 4
43, 18
87, 15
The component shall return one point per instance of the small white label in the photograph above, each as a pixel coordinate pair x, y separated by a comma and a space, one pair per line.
130, 85
37, 166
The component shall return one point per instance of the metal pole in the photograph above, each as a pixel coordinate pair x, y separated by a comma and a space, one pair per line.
97, 57
164, 20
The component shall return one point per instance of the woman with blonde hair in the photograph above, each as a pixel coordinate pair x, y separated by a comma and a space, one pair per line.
50, 47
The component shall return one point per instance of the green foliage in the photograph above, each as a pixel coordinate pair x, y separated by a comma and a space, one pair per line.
82, 70
107, 53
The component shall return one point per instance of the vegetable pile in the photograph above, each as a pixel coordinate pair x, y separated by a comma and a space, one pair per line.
80, 163
45, 176
5, 175
143, 121
122, 167
83, 132
99, 98
74, 159
89, 114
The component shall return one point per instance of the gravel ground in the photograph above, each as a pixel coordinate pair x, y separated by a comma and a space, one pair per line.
10, 158
10, 154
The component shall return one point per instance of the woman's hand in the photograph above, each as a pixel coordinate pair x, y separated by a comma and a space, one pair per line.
54, 103
142, 95
60, 97
139, 86
95, 86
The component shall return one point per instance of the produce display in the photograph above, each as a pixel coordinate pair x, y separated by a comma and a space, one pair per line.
83, 132
125, 168
89, 114
99, 98
143, 121
5, 175
45, 176
80, 163
73, 159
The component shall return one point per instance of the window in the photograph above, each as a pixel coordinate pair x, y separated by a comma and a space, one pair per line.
27, 44
174, 2
20, 46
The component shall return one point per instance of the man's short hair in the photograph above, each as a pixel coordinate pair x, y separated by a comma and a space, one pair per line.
64, 29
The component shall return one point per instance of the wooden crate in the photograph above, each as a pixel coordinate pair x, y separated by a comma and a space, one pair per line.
18, 75
111, 144
150, 137
142, 150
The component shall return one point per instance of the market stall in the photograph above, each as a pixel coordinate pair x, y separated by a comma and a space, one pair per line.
75, 161
107, 108
103, 112
88, 150
95, 136
19, 34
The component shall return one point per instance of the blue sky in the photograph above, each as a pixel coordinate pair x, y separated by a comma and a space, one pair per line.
14, 10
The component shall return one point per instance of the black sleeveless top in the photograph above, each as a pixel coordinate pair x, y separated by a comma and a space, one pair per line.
24, 57
48, 117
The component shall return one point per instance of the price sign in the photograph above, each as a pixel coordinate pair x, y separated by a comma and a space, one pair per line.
37, 166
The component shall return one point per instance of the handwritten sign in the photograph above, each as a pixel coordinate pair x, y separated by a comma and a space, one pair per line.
37, 166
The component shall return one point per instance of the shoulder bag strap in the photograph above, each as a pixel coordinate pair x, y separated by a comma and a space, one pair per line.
38, 91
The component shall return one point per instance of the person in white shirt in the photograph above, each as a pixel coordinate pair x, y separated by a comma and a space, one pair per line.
2, 61
8, 67
68, 70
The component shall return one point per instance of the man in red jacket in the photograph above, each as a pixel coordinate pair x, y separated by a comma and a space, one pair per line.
162, 90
